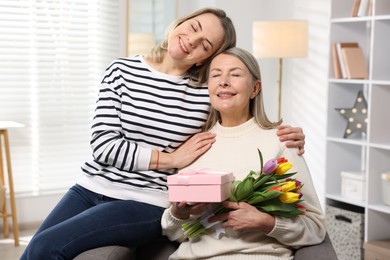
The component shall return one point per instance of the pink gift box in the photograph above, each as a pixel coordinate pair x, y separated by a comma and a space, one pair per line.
200, 185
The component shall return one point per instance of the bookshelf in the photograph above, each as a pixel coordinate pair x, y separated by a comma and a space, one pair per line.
369, 152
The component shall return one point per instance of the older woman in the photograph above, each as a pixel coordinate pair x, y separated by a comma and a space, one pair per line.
241, 126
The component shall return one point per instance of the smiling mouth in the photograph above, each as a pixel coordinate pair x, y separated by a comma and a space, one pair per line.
182, 46
225, 95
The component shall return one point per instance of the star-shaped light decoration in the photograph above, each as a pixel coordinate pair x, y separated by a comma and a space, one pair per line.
356, 116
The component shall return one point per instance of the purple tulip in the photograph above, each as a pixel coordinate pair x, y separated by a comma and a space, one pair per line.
270, 166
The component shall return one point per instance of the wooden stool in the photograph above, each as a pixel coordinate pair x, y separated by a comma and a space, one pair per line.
3, 212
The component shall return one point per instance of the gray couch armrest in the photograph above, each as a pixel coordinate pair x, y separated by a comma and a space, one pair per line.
323, 251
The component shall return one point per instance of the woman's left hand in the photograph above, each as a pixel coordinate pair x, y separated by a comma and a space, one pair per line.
294, 137
245, 217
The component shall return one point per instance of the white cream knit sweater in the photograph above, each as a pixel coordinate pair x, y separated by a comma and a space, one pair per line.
236, 150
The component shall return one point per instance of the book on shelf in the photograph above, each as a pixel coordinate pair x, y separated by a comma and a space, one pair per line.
370, 8
355, 63
365, 8
336, 62
348, 61
355, 8
340, 58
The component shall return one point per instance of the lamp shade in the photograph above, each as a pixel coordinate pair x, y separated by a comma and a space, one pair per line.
140, 43
280, 39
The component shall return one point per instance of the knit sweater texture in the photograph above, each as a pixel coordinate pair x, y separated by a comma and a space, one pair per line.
140, 109
235, 150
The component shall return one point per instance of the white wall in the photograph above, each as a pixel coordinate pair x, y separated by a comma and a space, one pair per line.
33, 209
304, 86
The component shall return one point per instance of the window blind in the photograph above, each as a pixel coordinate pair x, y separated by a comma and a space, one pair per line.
52, 57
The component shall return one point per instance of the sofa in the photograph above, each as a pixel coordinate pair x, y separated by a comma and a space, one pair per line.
161, 248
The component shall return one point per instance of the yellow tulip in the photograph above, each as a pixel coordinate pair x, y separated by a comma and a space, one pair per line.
283, 168
289, 197
289, 186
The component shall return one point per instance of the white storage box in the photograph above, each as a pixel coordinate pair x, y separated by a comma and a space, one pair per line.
353, 185
386, 188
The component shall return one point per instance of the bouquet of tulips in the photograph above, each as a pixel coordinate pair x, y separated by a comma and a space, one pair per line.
272, 191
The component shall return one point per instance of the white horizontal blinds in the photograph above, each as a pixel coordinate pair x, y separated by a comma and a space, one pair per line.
15, 93
69, 44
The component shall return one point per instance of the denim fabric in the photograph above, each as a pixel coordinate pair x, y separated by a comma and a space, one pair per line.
83, 220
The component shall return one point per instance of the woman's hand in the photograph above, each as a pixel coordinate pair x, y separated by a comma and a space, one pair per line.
245, 217
294, 137
194, 147
182, 210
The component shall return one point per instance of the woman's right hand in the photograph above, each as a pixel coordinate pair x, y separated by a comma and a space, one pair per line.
194, 147
183, 210
244, 217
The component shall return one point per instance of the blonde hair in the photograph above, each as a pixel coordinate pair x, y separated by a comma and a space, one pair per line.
256, 104
198, 73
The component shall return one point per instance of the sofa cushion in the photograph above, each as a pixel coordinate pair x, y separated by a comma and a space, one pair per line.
107, 253
323, 251
162, 248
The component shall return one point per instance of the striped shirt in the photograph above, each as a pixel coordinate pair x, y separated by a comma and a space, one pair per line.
140, 109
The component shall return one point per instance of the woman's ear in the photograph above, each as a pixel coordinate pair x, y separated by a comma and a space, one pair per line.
256, 89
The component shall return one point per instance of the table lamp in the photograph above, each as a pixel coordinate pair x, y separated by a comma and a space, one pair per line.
280, 39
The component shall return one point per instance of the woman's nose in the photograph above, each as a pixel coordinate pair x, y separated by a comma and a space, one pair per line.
194, 39
223, 83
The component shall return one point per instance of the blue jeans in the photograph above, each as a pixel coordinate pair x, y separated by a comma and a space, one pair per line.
83, 220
